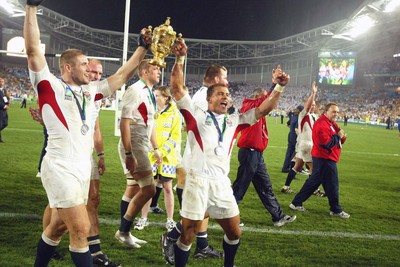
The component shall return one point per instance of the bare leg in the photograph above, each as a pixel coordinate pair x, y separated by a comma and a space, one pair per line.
93, 207
46, 217
231, 239
169, 199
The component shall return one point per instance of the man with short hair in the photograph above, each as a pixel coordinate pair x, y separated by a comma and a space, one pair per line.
137, 132
215, 74
66, 106
207, 190
292, 139
252, 142
304, 143
4, 106
327, 145
98, 169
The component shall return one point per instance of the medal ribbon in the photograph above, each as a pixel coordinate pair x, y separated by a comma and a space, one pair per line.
220, 133
152, 97
81, 110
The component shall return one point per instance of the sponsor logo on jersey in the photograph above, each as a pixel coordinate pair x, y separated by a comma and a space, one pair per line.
209, 120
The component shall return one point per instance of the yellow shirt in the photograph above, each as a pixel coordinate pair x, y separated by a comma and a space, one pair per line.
168, 128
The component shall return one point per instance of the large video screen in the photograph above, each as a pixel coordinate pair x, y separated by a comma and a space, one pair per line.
337, 69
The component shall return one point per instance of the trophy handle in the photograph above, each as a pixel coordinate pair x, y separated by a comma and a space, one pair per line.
150, 30
177, 39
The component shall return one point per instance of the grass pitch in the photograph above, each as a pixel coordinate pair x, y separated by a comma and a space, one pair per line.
369, 191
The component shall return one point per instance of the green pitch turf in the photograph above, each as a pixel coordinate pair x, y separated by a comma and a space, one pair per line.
369, 191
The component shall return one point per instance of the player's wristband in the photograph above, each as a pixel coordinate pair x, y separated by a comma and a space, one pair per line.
34, 2
100, 154
180, 60
279, 88
141, 41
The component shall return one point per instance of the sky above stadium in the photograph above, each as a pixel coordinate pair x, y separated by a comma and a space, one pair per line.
254, 20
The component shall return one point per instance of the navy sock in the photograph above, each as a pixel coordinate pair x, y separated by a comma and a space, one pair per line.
175, 233
155, 198
94, 244
123, 208
44, 253
125, 225
230, 252
201, 241
181, 256
290, 177
82, 259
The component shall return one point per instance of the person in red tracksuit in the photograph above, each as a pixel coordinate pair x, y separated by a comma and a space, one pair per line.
327, 145
252, 142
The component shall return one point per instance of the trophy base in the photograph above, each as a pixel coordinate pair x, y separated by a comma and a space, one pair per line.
158, 62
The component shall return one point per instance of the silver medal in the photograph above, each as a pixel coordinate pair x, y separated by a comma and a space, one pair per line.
84, 129
219, 150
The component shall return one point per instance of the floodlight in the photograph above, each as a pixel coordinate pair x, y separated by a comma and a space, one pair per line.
360, 25
391, 6
7, 6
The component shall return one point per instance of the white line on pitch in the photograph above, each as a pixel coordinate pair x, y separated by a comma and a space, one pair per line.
371, 153
354, 152
245, 229
24, 130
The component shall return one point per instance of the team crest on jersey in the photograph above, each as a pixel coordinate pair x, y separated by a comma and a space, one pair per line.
68, 95
208, 121
87, 95
229, 122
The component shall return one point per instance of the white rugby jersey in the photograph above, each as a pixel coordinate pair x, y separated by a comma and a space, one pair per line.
95, 113
200, 98
138, 104
203, 137
61, 115
305, 126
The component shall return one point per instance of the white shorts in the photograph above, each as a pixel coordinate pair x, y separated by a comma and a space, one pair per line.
208, 194
66, 181
304, 151
94, 175
141, 153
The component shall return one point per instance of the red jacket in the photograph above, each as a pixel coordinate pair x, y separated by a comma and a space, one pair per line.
255, 136
326, 141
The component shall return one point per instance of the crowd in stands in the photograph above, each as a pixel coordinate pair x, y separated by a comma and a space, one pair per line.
387, 65
359, 104
17, 81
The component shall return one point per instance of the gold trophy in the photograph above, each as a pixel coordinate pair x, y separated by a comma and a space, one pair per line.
163, 39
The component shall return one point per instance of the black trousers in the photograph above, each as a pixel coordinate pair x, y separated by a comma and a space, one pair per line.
324, 172
252, 169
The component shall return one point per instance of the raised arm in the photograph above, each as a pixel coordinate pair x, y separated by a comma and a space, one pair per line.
270, 102
126, 71
36, 59
177, 84
311, 98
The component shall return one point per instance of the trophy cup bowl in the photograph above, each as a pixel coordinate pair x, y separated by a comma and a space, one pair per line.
163, 39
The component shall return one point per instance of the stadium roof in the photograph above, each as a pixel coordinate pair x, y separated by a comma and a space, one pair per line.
332, 37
